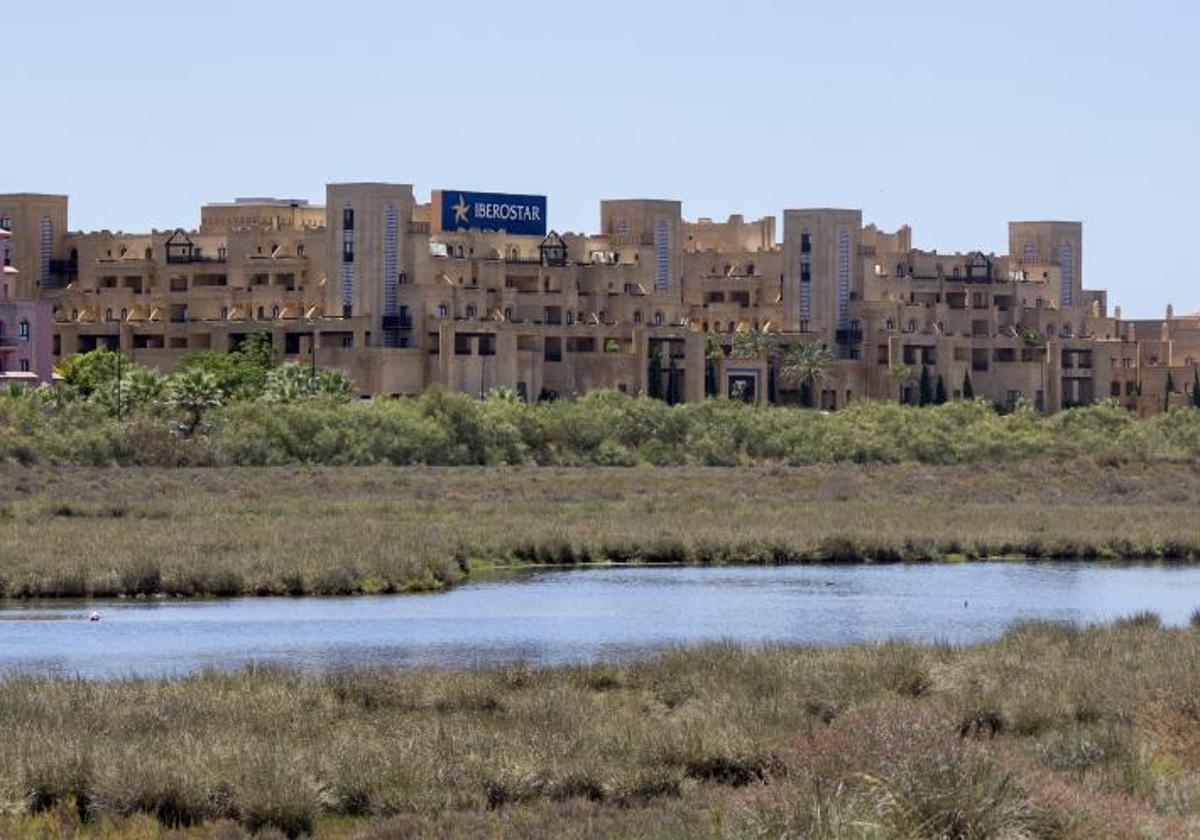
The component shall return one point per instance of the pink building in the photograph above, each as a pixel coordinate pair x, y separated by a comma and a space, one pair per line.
26, 329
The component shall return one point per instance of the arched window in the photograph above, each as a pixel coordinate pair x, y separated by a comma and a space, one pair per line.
889, 325
704, 326
912, 325
442, 310
570, 317
637, 316
224, 312
470, 310
508, 313
108, 315
260, 313
658, 318
124, 314
274, 311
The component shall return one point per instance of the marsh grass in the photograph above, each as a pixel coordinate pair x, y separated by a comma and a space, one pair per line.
149, 532
720, 741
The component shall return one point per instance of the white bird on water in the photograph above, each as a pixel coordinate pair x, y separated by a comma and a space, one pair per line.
94, 616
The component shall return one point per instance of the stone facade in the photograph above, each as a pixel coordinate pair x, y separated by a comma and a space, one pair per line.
370, 283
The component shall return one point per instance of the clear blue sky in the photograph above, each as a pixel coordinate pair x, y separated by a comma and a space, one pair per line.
952, 116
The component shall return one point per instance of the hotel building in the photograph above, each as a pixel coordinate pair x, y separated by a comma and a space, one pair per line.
471, 292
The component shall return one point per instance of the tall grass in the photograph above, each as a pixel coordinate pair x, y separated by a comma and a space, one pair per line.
601, 428
329, 531
864, 741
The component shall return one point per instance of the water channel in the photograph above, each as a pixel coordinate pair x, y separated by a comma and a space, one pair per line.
607, 613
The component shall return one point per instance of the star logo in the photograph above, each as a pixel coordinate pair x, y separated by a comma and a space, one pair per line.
461, 210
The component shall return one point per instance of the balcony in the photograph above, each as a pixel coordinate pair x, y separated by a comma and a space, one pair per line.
62, 272
397, 322
851, 335
178, 257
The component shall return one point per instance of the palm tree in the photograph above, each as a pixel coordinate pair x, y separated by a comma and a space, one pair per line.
805, 365
193, 392
754, 344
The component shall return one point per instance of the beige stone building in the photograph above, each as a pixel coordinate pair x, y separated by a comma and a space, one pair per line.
376, 283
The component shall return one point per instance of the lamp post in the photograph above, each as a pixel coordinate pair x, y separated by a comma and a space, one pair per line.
119, 400
312, 354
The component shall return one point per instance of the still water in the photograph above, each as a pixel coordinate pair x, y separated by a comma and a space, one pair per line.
548, 617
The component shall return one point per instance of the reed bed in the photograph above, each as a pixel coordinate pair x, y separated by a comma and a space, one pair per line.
1050, 732
150, 532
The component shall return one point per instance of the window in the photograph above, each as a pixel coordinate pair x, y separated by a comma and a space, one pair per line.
108, 315
658, 318
23, 331
24, 366
442, 310
348, 218
471, 310
806, 243
637, 316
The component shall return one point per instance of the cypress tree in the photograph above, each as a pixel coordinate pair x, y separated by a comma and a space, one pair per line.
655, 385
968, 391
926, 388
939, 393
1196, 388
1168, 390
672, 382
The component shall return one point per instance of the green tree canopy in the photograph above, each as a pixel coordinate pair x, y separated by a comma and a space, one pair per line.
240, 373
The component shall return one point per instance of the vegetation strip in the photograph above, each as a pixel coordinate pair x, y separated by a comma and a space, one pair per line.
333, 531
244, 409
1050, 732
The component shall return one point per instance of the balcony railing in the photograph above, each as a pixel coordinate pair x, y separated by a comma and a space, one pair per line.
188, 258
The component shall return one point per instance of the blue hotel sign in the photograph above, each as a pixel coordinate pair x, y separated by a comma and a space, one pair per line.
523, 215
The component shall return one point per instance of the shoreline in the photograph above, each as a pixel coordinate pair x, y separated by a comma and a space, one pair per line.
321, 531
481, 574
1079, 729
